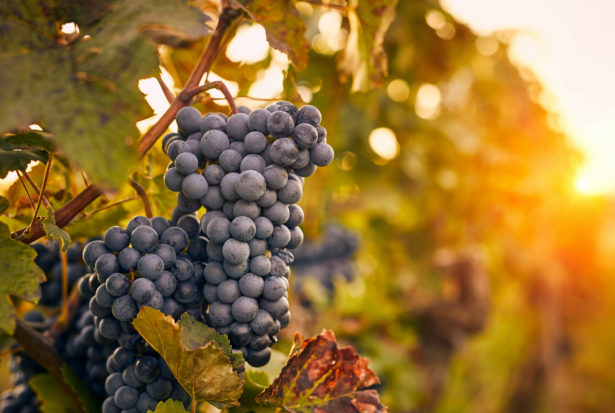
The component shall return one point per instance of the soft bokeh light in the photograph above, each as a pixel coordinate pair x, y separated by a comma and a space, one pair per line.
69, 28
249, 45
427, 103
384, 142
398, 90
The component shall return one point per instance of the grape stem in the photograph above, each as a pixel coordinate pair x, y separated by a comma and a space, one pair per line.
73, 207
36, 189
26, 189
187, 95
147, 206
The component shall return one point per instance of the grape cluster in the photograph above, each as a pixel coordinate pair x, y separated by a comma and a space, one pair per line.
149, 263
326, 259
77, 345
247, 170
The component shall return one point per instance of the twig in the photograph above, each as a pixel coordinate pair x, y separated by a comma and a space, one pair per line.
110, 205
143, 195
37, 189
64, 260
329, 5
85, 179
193, 407
41, 349
165, 89
26, 189
41, 194
217, 84
9, 351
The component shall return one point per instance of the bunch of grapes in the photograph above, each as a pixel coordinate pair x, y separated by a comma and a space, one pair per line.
77, 345
149, 263
326, 259
248, 172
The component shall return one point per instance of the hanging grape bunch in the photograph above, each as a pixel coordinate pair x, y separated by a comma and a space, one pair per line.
149, 263
248, 172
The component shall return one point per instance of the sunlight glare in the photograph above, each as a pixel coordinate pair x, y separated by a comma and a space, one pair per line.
427, 103
384, 142
249, 45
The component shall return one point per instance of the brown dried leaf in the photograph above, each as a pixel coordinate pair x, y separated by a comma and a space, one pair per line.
320, 377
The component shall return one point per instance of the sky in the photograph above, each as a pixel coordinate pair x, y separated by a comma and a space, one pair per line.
570, 46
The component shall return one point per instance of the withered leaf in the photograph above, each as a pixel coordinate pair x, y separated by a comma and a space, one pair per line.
320, 377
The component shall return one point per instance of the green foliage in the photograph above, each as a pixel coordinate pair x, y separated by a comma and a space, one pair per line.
71, 85
200, 358
50, 394
169, 406
17, 151
19, 277
55, 232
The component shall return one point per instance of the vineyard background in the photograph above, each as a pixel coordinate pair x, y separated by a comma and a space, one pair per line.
481, 280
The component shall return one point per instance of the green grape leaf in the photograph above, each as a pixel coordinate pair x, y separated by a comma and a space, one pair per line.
87, 399
256, 382
51, 395
199, 358
85, 92
364, 59
32, 140
284, 27
55, 232
169, 406
17, 157
4, 204
319, 376
19, 276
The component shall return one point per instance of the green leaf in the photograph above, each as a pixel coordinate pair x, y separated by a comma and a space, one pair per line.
55, 232
15, 157
87, 399
4, 204
86, 92
196, 354
51, 395
364, 58
169, 406
19, 276
284, 27
32, 140
256, 382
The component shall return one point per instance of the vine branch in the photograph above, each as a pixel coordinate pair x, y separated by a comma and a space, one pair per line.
187, 95
143, 195
165, 89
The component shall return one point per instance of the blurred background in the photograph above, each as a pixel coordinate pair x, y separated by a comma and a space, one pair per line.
462, 239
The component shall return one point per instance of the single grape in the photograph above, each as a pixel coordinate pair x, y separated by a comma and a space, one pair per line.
146, 403
275, 176
197, 249
150, 266
246, 208
229, 210
144, 239
194, 186
184, 269
109, 328
227, 186
253, 162
190, 224
244, 309
235, 251
321, 154
214, 174
305, 135
113, 382
255, 142
309, 114
137, 221
213, 199
295, 217
280, 124
167, 253
106, 265
239, 147
220, 314
259, 342
240, 334
175, 237
257, 121
291, 193
235, 270
285, 320
228, 291
267, 199
274, 288
108, 406
188, 120
278, 213
214, 273
276, 308
186, 163
260, 265
218, 230
283, 152
237, 126
160, 224
250, 185
175, 148
251, 285
187, 204
213, 121
307, 171
186, 292
264, 227
213, 143
296, 238
116, 239
259, 358
128, 259
130, 378
210, 293
257, 247
242, 229
103, 297
303, 159
159, 389
214, 251
173, 179
142, 290
230, 160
